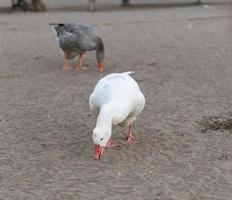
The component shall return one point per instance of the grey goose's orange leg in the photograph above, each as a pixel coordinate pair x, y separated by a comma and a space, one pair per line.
66, 65
80, 61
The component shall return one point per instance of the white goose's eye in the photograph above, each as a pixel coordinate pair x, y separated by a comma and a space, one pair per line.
101, 139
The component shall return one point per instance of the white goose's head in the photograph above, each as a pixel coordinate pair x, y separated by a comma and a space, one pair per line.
100, 138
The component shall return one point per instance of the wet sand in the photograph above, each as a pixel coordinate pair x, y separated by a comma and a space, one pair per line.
182, 61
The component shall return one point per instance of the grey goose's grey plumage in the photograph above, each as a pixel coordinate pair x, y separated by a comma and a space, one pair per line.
77, 38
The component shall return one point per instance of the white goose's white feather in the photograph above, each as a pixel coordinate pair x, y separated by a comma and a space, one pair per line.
117, 96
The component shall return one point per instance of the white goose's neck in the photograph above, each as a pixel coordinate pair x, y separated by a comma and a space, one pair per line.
104, 119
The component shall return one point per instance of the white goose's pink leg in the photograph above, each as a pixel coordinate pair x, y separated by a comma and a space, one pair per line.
130, 138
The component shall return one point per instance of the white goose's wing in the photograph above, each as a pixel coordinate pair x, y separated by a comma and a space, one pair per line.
121, 89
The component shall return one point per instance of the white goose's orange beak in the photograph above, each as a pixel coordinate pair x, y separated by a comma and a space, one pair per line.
98, 152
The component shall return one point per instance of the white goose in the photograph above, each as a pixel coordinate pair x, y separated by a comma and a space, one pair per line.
117, 100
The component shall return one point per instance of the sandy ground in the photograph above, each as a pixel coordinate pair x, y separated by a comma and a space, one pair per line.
182, 57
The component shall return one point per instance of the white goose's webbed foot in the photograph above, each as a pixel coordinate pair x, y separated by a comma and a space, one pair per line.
112, 144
